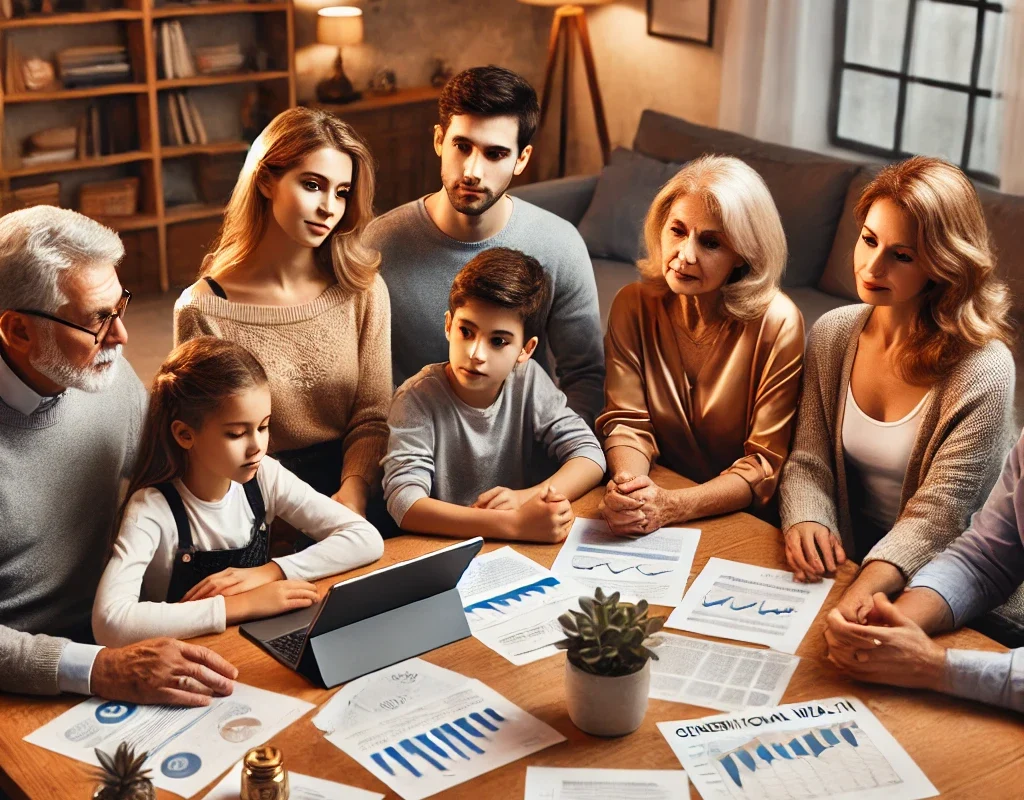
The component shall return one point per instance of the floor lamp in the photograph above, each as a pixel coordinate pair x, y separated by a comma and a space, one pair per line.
570, 21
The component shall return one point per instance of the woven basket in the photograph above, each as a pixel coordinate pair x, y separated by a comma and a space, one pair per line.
118, 198
14, 199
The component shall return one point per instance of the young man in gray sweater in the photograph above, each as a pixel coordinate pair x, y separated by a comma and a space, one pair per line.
483, 444
71, 410
487, 117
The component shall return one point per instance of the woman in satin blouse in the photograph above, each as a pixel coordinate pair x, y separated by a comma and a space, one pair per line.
703, 355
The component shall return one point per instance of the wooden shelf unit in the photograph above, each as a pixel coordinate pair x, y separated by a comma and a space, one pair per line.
155, 219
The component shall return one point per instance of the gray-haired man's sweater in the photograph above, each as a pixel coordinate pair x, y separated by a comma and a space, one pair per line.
60, 475
419, 263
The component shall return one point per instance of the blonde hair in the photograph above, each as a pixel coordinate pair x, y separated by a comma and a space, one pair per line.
738, 196
967, 305
290, 137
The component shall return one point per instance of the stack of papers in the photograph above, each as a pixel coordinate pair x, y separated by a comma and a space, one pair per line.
188, 747
654, 568
422, 729
512, 604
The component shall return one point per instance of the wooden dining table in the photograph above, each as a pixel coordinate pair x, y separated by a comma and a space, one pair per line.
967, 750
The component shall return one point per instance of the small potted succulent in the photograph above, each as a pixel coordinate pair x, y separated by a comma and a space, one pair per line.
607, 667
122, 776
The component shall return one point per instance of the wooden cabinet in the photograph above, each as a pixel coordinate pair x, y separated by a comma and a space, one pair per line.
399, 129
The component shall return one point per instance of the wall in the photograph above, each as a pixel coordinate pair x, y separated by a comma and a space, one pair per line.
636, 71
405, 35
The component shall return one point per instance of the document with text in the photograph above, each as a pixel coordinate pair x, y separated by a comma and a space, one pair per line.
188, 747
751, 604
422, 729
727, 677
820, 748
558, 783
512, 604
654, 567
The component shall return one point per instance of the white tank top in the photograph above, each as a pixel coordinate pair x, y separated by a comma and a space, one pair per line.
879, 451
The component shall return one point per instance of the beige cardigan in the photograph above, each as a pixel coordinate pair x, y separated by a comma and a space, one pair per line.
965, 432
328, 362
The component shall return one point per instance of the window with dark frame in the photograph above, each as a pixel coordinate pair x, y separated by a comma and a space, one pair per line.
917, 77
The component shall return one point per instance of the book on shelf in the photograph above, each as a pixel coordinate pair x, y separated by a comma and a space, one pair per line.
94, 65
220, 59
14, 77
184, 124
175, 57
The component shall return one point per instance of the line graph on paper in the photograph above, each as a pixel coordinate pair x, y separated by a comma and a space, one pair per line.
609, 565
808, 763
501, 606
744, 606
461, 740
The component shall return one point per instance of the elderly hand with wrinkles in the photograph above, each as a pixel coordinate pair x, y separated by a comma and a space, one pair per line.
633, 506
890, 648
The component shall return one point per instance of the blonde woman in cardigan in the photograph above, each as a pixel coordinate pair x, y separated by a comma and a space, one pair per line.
290, 280
704, 357
906, 412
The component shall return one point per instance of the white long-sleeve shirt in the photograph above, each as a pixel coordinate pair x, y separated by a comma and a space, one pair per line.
130, 602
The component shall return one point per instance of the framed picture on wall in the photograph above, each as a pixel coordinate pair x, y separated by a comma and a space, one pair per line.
686, 20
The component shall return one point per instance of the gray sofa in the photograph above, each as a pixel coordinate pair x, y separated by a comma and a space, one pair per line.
815, 195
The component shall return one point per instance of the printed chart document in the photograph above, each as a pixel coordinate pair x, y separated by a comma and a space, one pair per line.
717, 675
752, 604
654, 567
303, 787
422, 729
556, 783
188, 747
820, 748
512, 604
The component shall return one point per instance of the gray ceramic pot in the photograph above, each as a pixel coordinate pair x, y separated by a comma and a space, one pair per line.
604, 706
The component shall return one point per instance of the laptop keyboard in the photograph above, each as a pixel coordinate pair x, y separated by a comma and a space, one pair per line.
289, 645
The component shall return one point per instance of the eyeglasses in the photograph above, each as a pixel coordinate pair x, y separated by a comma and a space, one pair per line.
105, 323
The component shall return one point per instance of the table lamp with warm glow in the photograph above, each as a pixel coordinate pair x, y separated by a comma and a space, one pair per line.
338, 25
571, 18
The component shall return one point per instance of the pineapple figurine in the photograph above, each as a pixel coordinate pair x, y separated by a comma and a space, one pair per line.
122, 777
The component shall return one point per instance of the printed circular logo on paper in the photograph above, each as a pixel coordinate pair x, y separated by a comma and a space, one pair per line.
113, 712
181, 765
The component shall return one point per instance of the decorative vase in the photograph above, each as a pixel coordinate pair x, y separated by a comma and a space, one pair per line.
606, 706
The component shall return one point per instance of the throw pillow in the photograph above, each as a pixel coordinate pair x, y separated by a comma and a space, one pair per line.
613, 225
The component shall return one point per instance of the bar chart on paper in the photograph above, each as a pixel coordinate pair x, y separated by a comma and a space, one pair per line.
463, 738
808, 763
513, 601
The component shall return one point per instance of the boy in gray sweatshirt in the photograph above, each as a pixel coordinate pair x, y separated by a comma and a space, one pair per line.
484, 444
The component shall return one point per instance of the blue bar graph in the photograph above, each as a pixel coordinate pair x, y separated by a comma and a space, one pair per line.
509, 600
809, 763
463, 738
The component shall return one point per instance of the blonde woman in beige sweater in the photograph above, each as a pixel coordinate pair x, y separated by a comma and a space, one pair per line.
906, 411
290, 280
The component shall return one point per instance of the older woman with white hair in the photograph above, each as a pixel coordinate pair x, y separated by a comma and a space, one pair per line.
703, 356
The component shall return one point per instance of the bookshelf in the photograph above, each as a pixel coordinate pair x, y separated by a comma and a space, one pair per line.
174, 221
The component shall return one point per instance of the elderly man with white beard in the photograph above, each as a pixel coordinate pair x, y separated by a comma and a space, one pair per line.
71, 410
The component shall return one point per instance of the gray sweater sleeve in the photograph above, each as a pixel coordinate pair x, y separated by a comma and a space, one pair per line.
807, 484
409, 462
28, 664
574, 331
561, 431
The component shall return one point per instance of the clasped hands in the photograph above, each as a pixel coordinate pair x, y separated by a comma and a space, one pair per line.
254, 592
541, 514
633, 506
870, 639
